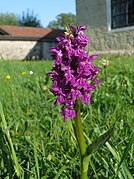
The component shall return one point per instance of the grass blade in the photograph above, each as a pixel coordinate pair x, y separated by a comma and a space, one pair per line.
126, 153
14, 158
60, 171
36, 157
124, 169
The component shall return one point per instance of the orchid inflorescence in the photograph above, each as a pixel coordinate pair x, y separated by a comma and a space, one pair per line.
73, 74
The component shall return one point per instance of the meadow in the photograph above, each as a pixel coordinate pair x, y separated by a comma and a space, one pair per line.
35, 143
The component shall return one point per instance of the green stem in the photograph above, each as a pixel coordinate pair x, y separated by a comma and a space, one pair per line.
81, 142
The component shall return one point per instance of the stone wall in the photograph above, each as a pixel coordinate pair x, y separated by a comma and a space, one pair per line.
93, 13
102, 42
19, 49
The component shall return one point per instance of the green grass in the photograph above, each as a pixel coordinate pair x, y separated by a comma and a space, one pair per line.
36, 143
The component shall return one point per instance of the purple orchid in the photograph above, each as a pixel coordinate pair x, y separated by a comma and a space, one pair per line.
73, 74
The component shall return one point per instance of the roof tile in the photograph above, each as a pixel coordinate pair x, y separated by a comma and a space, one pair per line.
18, 31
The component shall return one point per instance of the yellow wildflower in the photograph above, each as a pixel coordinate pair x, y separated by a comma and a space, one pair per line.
8, 77
24, 73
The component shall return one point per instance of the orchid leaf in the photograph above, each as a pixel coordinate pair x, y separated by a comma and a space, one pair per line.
100, 141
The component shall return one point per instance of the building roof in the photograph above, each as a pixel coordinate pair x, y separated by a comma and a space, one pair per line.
13, 32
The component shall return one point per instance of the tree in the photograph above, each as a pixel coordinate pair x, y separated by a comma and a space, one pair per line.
29, 19
8, 19
62, 21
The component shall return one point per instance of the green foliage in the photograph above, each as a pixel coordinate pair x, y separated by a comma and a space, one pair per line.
29, 19
45, 146
62, 21
8, 19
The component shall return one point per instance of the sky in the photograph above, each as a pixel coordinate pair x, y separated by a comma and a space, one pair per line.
46, 10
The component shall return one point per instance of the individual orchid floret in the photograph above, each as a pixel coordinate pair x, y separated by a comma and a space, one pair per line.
73, 74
